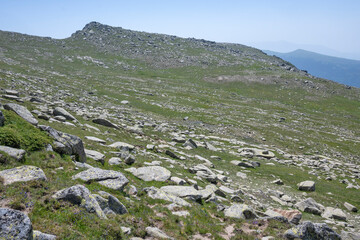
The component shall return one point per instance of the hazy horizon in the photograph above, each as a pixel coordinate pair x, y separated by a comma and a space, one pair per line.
325, 27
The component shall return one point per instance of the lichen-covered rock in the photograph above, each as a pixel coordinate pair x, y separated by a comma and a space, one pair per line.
188, 192
15, 153
15, 225
151, 173
23, 173
66, 143
80, 195
37, 235
97, 156
156, 193
241, 211
312, 231
109, 178
22, 112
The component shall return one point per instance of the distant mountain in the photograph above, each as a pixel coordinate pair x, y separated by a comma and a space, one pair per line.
341, 70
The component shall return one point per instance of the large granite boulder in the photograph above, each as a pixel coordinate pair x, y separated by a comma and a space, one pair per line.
15, 153
80, 195
15, 225
151, 173
23, 173
22, 111
66, 143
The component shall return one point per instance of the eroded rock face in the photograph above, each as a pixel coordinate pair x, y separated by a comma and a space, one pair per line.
22, 112
15, 225
66, 143
22, 174
151, 173
241, 211
312, 231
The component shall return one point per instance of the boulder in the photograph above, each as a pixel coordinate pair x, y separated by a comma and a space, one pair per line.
37, 235
95, 139
112, 204
151, 173
350, 207
307, 186
312, 231
293, 216
204, 172
22, 112
249, 152
122, 145
115, 161
334, 213
66, 143
310, 206
80, 195
244, 163
99, 157
156, 193
156, 233
104, 122
190, 143
206, 161
59, 111
23, 173
350, 235
109, 178
187, 192
12, 92
15, 225
241, 211
15, 153
171, 154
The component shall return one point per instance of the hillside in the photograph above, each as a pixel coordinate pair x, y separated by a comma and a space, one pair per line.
341, 70
134, 135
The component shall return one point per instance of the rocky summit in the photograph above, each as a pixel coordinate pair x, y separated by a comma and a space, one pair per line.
119, 134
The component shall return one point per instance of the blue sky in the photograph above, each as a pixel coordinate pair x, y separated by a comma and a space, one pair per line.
328, 26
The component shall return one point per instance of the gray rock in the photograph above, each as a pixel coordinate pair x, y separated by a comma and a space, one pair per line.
105, 123
59, 111
2, 119
334, 213
122, 145
310, 206
111, 202
350, 207
156, 233
12, 92
350, 235
207, 162
22, 112
66, 143
187, 192
204, 172
151, 173
178, 181
80, 195
23, 173
126, 230
171, 154
249, 152
115, 161
15, 225
190, 143
244, 163
156, 193
241, 211
210, 147
15, 153
278, 182
109, 178
37, 235
179, 139
312, 231
99, 157
60, 118
307, 186
95, 139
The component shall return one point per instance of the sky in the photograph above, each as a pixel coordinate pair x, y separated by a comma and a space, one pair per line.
325, 26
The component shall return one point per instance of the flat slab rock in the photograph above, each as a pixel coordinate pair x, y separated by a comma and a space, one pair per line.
151, 173
108, 178
18, 154
307, 186
95, 139
22, 111
15, 225
22, 174
182, 191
